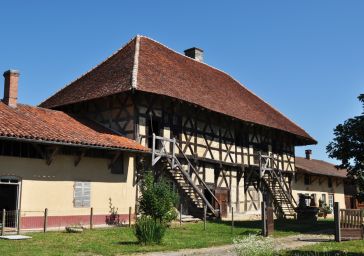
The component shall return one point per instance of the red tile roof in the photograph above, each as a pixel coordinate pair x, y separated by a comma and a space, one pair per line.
45, 125
149, 66
319, 167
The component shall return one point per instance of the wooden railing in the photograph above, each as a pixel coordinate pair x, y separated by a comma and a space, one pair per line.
162, 149
351, 218
267, 166
348, 223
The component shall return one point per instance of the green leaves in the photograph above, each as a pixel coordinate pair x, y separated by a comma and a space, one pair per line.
348, 146
158, 199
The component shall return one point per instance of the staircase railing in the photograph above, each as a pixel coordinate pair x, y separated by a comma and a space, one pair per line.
266, 164
160, 150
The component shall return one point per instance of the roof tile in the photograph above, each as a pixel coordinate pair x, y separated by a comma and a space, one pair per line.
45, 125
163, 71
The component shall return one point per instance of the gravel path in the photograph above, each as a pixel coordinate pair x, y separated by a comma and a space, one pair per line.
290, 242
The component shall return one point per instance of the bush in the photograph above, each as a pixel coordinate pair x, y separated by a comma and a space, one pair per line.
254, 245
157, 199
149, 231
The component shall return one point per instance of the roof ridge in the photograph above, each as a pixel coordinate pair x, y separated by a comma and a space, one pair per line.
85, 73
134, 79
231, 77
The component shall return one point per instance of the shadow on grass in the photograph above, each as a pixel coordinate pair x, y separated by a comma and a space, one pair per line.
328, 253
128, 243
321, 227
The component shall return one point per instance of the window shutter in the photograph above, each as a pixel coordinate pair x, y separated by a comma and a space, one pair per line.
82, 194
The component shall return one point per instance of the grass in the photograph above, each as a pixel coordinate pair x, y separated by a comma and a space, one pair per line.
114, 241
353, 248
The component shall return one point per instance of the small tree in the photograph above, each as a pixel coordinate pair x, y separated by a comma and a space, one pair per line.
157, 199
348, 147
157, 208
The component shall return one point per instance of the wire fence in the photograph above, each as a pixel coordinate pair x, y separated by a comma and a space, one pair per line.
56, 220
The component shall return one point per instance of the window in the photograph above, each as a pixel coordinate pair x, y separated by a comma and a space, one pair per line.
308, 200
82, 194
323, 198
313, 201
307, 179
329, 182
331, 201
118, 166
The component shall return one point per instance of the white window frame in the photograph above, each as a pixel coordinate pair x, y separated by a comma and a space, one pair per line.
331, 201
324, 199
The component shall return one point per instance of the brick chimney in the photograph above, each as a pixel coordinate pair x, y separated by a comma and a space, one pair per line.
11, 87
308, 154
195, 53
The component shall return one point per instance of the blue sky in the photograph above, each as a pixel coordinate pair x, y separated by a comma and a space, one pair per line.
306, 58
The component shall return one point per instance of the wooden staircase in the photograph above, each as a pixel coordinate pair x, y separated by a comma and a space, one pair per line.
165, 150
276, 185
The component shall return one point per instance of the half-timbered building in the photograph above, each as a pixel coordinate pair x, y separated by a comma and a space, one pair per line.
219, 144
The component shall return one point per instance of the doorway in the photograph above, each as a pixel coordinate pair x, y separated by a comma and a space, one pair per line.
153, 126
9, 199
222, 195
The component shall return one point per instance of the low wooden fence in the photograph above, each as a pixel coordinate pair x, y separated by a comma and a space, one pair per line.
348, 223
12, 222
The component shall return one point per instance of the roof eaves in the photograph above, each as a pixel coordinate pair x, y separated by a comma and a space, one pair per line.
80, 145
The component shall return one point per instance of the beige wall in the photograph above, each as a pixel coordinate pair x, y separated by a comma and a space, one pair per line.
319, 186
52, 186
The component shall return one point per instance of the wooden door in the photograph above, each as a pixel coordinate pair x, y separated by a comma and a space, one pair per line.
222, 196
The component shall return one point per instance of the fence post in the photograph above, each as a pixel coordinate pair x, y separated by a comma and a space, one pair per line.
19, 222
232, 219
3, 223
204, 216
337, 222
91, 218
180, 215
129, 216
45, 224
264, 219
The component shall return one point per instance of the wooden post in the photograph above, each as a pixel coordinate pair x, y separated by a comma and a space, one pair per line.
180, 215
204, 216
337, 222
3, 223
19, 222
129, 216
264, 219
45, 224
91, 218
232, 219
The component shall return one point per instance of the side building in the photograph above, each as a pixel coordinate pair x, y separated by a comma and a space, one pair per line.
50, 159
320, 180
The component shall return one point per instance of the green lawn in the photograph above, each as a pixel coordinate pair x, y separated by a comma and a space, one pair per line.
114, 241
353, 248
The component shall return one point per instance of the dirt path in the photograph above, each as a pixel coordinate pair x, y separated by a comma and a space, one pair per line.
290, 242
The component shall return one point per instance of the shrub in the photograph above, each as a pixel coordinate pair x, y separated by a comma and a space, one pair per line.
149, 231
114, 217
254, 245
157, 199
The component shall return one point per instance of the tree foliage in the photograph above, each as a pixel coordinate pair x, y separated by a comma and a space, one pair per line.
348, 146
157, 199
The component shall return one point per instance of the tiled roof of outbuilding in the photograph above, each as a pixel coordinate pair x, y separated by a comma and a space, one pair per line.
146, 65
319, 167
44, 125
